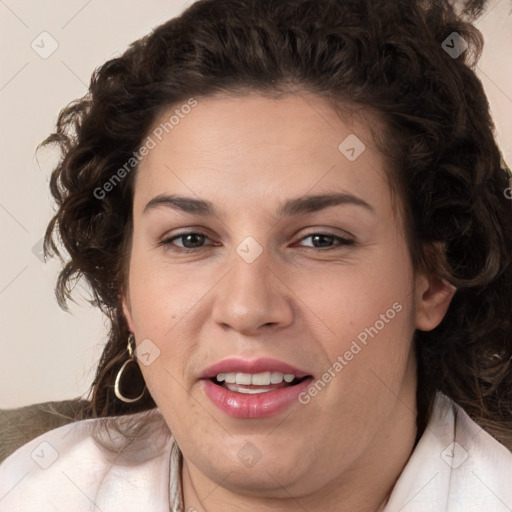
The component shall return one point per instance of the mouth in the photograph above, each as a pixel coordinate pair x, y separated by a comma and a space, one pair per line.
254, 389
251, 384
254, 376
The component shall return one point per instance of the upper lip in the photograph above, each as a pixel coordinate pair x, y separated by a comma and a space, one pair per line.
236, 365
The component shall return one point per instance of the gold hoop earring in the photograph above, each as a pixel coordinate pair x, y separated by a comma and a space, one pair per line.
132, 359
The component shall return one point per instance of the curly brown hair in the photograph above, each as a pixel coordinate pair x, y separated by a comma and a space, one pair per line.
387, 57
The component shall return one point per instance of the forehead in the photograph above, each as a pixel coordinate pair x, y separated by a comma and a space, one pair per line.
258, 147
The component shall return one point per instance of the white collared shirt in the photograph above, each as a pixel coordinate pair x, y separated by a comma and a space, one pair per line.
455, 467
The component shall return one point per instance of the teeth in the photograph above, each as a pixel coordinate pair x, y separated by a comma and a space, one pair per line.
276, 378
240, 389
255, 379
244, 378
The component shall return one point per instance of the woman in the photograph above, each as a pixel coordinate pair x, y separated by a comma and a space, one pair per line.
294, 215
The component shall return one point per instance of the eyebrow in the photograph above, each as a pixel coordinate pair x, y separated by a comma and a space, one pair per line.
291, 207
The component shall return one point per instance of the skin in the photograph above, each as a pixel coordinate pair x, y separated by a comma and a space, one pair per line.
345, 449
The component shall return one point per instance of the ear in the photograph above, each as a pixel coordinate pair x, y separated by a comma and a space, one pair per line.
433, 297
127, 310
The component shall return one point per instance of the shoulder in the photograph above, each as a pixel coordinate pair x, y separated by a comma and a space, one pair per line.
456, 466
90, 464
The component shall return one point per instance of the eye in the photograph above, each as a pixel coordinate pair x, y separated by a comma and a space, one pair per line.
327, 238
192, 241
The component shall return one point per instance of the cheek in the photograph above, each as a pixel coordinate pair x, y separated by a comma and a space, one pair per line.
352, 301
368, 317
161, 294
162, 303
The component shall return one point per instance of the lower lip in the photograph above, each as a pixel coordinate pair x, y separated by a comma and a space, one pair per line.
259, 405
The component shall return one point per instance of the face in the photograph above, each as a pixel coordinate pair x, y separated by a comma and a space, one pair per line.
322, 289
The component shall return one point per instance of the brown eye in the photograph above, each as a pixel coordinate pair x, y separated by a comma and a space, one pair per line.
323, 241
190, 241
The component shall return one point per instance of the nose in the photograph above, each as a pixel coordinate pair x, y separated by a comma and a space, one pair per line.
253, 296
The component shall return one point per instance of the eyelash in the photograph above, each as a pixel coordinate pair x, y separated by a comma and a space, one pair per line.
169, 246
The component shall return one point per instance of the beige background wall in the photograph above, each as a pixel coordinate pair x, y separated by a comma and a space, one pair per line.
47, 354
